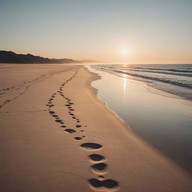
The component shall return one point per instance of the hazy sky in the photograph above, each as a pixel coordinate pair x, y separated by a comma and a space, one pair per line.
149, 31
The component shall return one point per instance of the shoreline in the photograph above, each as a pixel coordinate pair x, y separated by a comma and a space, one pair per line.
77, 144
148, 109
95, 91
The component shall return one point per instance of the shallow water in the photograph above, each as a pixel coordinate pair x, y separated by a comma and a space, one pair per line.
162, 119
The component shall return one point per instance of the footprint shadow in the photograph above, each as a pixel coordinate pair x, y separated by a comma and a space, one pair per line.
99, 167
96, 157
70, 131
107, 184
91, 146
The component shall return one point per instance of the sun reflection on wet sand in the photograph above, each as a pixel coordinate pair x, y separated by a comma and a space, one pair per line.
124, 85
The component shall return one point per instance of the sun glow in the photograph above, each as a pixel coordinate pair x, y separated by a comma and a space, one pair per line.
124, 51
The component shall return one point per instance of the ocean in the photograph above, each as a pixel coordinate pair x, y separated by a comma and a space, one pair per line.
174, 79
155, 101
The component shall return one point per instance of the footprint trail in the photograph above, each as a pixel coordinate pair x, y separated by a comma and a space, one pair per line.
99, 165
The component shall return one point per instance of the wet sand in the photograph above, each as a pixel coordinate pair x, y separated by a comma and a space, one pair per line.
57, 136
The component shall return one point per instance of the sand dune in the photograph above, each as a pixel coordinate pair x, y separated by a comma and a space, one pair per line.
57, 136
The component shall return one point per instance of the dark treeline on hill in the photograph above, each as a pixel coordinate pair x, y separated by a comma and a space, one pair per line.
11, 57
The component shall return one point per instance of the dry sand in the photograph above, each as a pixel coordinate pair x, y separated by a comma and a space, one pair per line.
56, 136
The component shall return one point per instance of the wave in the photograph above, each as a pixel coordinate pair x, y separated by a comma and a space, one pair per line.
174, 79
188, 70
167, 72
177, 83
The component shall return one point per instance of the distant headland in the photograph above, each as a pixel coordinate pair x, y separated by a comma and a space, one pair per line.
11, 57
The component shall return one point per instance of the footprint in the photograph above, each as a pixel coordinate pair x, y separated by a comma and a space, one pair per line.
99, 167
63, 126
58, 120
108, 183
78, 126
91, 146
77, 138
70, 131
96, 157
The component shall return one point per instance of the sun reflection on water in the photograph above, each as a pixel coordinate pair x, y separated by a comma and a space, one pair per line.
124, 85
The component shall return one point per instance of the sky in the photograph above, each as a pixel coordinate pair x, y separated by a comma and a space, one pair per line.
114, 31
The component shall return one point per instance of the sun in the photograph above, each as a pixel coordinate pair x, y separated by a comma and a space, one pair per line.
124, 51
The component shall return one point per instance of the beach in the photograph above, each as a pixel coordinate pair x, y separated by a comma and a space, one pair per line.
56, 135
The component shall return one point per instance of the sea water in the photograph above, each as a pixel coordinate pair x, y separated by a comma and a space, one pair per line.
155, 101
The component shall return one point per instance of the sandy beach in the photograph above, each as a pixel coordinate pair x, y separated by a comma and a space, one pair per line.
56, 135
